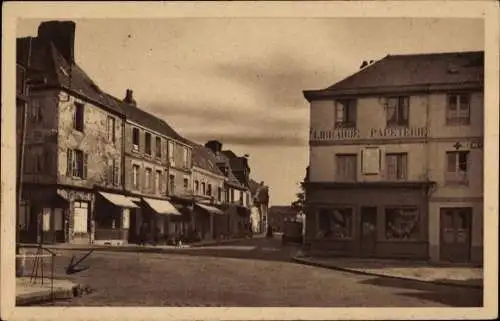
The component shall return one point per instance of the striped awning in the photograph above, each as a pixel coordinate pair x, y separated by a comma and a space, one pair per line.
118, 200
161, 206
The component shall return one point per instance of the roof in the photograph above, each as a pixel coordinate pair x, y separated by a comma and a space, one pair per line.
434, 71
231, 178
254, 186
205, 159
47, 60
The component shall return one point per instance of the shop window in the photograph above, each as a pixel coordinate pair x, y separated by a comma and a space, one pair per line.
345, 113
80, 217
136, 138
396, 166
457, 167
346, 167
402, 224
397, 111
458, 109
336, 223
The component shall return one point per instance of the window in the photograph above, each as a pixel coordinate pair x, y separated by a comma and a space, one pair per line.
345, 113
35, 111
76, 163
157, 181
401, 224
196, 186
185, 158
80, 217
136, 138
172, 184
135, 176
370, 161
457, 167
396, 166
209, 190
397, 111
158, 147
219, 193
458, 109
38, 162
346, 167
148, 144
147, 178
171, 153
335, 223
78, 118
231, 195
186, 183
111, 129
203, 191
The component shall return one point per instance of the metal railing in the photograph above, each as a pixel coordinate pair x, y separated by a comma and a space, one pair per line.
37, 270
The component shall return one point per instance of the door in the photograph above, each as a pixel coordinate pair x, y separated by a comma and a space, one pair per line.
368, 230
455, 231
81, 222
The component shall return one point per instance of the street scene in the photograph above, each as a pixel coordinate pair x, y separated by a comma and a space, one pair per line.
190, 170
252, 273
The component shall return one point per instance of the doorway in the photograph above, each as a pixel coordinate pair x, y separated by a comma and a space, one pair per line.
368, 230
455, 234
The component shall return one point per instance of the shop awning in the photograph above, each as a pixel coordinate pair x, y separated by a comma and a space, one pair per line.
118, 200
161, 206
210, 209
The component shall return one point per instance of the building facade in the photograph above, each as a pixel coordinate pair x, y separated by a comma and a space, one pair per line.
396, 160
71, 155
208, 193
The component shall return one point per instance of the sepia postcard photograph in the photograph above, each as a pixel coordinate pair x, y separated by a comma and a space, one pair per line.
233, 160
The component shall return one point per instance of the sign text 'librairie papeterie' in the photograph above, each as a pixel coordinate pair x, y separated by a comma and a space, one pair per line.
370, 133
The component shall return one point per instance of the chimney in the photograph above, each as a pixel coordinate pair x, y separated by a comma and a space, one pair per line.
62, 35
215, 146
364, 64
129, 98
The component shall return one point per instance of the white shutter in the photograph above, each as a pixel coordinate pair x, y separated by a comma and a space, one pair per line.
46, 219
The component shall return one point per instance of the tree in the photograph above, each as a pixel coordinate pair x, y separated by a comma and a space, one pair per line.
299, 203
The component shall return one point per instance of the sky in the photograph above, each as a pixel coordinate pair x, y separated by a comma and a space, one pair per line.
240, 80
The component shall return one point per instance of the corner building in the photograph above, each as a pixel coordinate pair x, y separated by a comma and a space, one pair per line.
396, 160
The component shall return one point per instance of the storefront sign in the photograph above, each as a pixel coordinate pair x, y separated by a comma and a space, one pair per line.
370, 133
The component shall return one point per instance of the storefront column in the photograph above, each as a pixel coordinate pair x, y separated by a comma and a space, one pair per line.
212, 217
434, 222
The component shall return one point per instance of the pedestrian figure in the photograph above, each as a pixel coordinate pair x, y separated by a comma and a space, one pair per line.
92, 231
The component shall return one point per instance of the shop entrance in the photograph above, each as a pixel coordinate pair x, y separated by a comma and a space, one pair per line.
368, 230
455, 230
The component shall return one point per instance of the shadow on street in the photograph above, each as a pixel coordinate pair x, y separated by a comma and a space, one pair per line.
445, 294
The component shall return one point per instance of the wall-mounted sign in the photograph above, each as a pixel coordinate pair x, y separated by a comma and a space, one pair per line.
370, 161
476, 144
357, 133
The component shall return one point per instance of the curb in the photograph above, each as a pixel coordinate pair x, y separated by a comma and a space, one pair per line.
338, 268
45, 296
138, 248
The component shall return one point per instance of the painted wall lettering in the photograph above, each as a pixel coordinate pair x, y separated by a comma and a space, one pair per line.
356, 133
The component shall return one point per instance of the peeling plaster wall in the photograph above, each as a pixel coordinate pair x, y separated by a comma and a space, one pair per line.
92, 141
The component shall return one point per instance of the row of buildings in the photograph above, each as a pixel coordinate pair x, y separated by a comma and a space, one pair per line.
96, 168
396, 160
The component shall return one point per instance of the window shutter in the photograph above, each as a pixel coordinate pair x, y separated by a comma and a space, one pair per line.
132, 173
69, 166
391, 166
116, 174
352, 111
404, 166
85, 163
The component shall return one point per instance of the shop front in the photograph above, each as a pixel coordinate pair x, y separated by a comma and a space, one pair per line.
204, 220
368, 220
111, 219
156, 217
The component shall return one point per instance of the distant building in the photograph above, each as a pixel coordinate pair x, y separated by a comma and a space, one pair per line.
278, 215
396, 160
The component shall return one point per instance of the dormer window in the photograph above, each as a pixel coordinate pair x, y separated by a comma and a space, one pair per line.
345, 113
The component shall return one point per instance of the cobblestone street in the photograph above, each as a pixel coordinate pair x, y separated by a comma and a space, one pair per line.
250, 273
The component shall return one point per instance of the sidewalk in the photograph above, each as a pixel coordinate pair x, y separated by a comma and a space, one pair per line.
28, 293
464, 276
137, 248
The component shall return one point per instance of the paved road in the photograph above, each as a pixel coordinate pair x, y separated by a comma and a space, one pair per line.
250, 273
